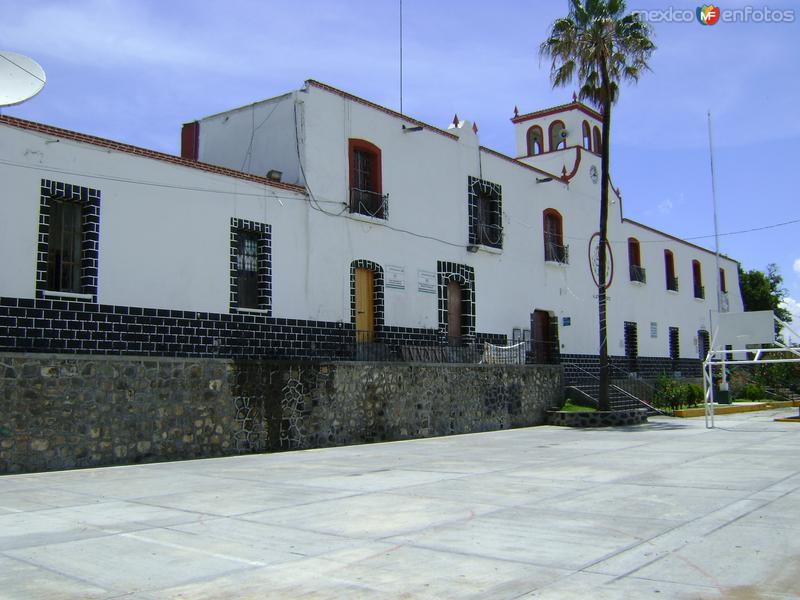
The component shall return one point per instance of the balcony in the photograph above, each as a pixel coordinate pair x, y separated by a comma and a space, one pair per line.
699, 291
489, 235
672, 283
369, 203
638, 274
556, 252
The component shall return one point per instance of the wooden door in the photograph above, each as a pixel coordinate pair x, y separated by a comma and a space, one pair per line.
542, 337
453, 311
365, 306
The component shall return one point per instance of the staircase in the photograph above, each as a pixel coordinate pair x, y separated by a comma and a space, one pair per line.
625, 392
782, 393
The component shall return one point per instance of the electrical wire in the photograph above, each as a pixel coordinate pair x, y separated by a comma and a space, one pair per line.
313, 201
248, 156
316, 203
156, 184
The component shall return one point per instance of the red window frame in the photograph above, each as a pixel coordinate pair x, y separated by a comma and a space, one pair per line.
597, 141
559, 141
669, 268
528, 138
375, 154
587, 136
634, 252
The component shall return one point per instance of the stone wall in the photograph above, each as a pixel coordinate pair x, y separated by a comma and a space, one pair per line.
67, 411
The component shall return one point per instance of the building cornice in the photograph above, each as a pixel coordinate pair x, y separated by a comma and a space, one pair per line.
545, 112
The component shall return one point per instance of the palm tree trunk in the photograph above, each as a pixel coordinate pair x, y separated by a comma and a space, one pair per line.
604, 401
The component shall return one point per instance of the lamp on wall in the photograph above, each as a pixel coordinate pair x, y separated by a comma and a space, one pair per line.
274, 175
472, 248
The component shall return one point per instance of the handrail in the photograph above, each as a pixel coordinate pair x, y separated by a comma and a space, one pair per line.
616, 387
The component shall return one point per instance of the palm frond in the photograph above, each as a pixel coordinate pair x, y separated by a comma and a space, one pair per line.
597, 38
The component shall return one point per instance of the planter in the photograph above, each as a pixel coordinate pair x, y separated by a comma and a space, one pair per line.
610, 418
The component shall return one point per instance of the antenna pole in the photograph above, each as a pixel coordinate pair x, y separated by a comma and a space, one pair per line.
401, 57
714, 202
716, 239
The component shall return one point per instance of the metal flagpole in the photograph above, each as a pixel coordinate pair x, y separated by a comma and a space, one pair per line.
716, 255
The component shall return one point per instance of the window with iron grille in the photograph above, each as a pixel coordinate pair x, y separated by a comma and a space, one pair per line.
247, 269
67, 256
64, 247
485, 213
554, 248
366, 192
637, 271
703, 343
251, 265
631, 345
674, 343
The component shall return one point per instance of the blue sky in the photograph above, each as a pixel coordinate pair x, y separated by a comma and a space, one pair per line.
135, 70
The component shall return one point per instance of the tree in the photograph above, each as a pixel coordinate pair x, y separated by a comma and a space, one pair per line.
764, 291
600, 46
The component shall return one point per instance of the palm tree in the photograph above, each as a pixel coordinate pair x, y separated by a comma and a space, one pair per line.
600, 46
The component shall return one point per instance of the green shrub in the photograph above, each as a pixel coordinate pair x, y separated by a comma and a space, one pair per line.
753, 391
695, 393
671, 394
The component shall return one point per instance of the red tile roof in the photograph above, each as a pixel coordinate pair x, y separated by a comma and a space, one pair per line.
144, 152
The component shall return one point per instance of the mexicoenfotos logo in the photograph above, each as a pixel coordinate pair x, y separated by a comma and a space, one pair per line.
708, 14
711, 14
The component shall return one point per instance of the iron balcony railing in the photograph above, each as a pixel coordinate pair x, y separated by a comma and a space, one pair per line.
490, 235
367, 202
638, 274
699, 291
672, 283
556, 252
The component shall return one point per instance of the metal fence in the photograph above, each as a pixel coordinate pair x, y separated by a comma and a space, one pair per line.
454, 350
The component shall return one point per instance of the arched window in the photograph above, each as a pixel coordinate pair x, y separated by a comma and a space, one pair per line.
637, 272
554, 248
366, 192
669, 270
535, 141
597, 144
697, 279
587, 136
558, 136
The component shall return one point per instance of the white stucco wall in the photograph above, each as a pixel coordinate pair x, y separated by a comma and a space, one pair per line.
254, 139
164, 238
164, 231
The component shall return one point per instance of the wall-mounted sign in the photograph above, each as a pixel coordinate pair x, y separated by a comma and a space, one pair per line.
426, 282
566, 321
395, 277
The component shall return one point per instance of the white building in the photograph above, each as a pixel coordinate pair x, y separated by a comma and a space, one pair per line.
408, 233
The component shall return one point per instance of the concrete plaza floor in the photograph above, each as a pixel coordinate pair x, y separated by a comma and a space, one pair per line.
663, 510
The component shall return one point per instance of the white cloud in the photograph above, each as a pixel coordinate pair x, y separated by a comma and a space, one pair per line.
797, 266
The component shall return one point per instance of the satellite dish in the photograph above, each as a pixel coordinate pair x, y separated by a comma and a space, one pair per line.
21, 78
